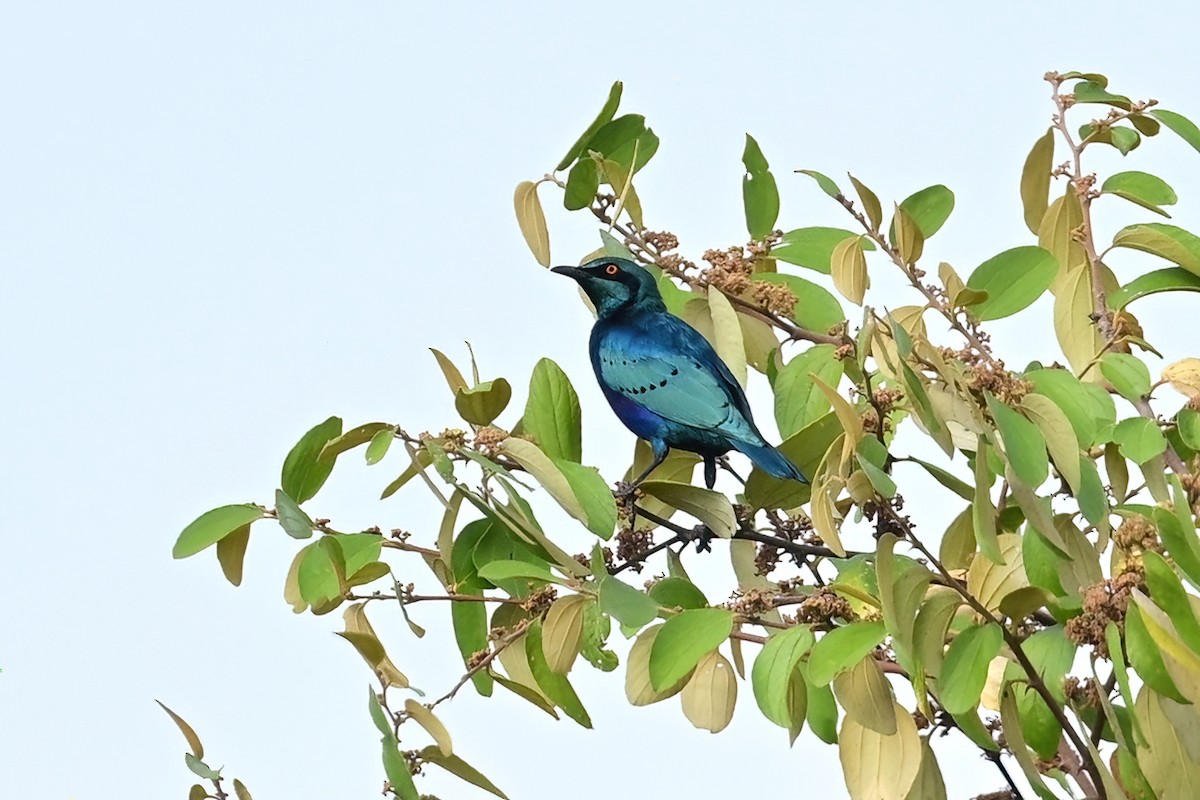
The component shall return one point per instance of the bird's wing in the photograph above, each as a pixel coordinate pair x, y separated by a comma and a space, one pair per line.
670, 369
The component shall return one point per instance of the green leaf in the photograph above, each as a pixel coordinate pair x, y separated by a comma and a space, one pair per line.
983, 510
629, 606
775, 674
842, 648
1172, 279
1188, 422
798, 401
947, 479
1146, 657
677, 592
484, 402
603, 118
616, 135
583, 181
381, 442
397, 772
1024, 447
1139, 439
1166, 241
710, 507
813, 247
1013, 280
1128, 375
964, 671
555, 685
506, 569
827, 185
594, 496
459, 768
292, 518
683, 640
454, 378
929, 208
201, 769
816, 308
1089, 408
1142, 188
304, 471
471, 633
1169, 595
213, 526
1035, 180
760, 195
356, 436
1091, 92
1180, 125
552, 415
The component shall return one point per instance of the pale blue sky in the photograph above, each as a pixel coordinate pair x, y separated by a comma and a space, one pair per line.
222, 222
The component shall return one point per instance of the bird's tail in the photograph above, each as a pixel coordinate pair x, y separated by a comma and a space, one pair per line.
770, 460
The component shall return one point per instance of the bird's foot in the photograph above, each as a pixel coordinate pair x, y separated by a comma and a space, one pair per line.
723, 462
702, 535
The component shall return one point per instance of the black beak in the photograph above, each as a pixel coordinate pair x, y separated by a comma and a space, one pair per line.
570, 272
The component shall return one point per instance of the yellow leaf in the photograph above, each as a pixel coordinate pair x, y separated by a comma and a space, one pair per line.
727, 333
562, 632
850, 419
870, 203
848, 268
878, 766
710, 507
710, 695
432, 725
1166, 762
515, 663
1184, 376
824, 521
1056, 233
1078, 336
362, 636
532, 221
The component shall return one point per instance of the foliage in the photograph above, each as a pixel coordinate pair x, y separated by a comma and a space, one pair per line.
1053, 623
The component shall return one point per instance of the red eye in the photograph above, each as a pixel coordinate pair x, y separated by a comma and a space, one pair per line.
612, 269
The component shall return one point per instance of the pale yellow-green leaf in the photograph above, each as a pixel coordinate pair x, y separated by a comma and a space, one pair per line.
188, 733
848, 268
543, 470
364, 639
1183, 663
291, 584
989, 698
866, 696
563, 631
1060, 437
710, 694
638, 690
929, 784
454, 378
850, 419
1035, 180
241, 791
710, 507
1167, 761
909, 242
532, 221
432, 725
991, 582
1184, 376
870, 203
878, 766
727, 332
825, 520
1056, 233
516, 664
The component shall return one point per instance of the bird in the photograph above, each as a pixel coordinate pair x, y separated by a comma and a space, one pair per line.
663, 379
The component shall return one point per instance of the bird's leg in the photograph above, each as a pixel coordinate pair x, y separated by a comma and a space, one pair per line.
710, 471
659, 457
723, 462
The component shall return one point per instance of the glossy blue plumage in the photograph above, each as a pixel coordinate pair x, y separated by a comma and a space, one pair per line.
662, 378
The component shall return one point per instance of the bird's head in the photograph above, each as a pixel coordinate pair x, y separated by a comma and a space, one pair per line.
615, 284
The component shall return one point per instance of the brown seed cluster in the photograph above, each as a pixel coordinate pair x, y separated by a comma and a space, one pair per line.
586, 560
477, 658
1082, 691
823, 606
993, 377
753, 602
539, 602
1136, 535
662, 241
728, 270
488, 438
632, 543
1103, 602
453, 439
